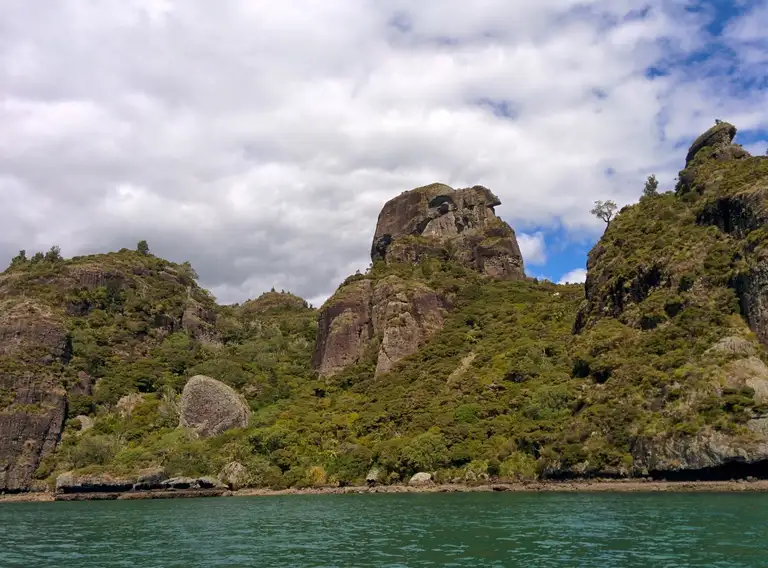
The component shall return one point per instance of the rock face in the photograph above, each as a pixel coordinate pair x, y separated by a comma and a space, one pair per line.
752, 373
706, 450
181, 483
210, 407
150, 478
752, 287
71, 483
401, 314
439, 220
199, 321
32, 399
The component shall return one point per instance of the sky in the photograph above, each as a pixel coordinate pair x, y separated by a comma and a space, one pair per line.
259, 140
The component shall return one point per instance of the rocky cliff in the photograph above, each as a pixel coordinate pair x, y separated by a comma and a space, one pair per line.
395, 315
683, 275
64, 323
399, 315
34, 345
460, 224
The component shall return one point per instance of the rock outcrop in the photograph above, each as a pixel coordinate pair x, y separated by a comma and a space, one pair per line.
32, 398
716, 139
210, 407
71, 483
401, 314
199, 321
183, 483
393, 316
152, 479
437, 220
234, 475
708, 450
421, 479
751, 373
715, 144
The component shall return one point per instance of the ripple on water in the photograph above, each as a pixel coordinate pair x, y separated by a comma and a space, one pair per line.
531, 530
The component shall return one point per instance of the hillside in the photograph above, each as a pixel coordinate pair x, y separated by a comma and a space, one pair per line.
443, 357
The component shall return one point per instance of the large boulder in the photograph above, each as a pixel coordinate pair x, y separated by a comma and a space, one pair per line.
234, 475
421, 479
32, 397
437, 220
210, 407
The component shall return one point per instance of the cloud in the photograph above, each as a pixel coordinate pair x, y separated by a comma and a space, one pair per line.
575, 276
259, 141
533, 248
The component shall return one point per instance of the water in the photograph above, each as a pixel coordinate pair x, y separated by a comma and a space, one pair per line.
488, 529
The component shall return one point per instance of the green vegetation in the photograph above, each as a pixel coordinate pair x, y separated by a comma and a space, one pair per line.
604, 210
526, 378
651, 188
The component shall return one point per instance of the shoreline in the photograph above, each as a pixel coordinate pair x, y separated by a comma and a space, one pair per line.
578, 486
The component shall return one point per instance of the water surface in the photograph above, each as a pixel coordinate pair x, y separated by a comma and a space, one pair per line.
481, 529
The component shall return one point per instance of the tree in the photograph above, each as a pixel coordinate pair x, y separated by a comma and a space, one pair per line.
37, 258
187, 272
53, 254
142, 247
19, 259
604, 210
651, 186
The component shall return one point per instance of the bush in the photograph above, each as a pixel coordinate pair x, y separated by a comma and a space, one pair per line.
519, 467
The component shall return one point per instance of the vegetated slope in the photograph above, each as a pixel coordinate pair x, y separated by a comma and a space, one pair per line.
654, 370
673, 288
76, 336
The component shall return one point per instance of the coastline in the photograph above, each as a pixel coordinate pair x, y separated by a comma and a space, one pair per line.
577, 486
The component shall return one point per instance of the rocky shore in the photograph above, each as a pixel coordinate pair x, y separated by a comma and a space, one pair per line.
613, 486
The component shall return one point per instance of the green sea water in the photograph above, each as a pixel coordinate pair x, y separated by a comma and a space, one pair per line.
487, 529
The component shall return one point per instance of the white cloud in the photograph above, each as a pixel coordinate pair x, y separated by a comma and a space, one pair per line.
575, 276
259, 140
533, 248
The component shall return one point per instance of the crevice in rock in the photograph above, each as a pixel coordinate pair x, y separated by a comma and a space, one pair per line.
725, 472
100, 487
440, 200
